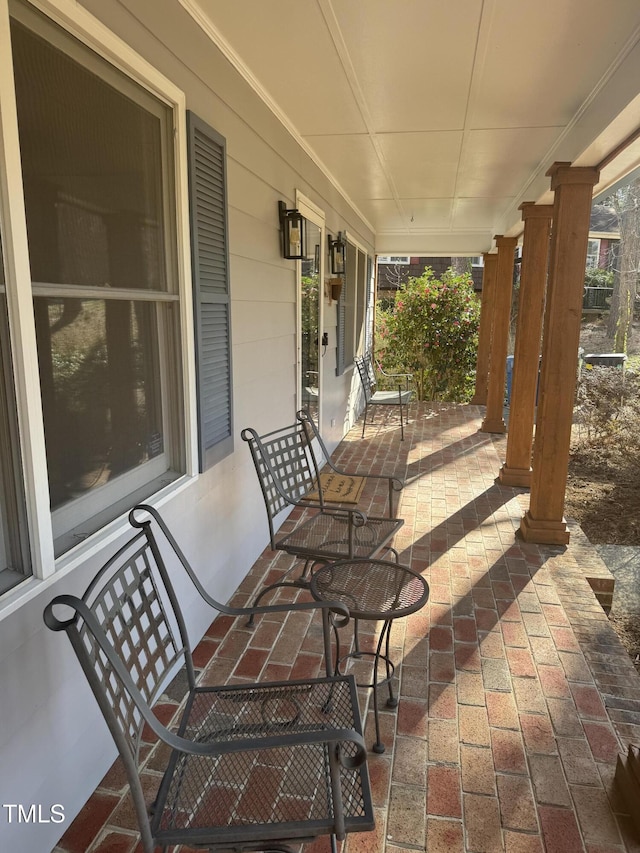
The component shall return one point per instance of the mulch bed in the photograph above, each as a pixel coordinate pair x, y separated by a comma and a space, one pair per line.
603, 496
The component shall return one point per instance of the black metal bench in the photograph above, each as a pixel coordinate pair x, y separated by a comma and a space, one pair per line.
372, 397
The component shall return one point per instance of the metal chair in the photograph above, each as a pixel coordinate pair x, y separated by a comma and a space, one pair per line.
394, 485
286, 462
250, 767
373, 397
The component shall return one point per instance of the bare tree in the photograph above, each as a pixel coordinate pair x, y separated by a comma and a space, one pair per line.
626, 202
391, 276
460, 266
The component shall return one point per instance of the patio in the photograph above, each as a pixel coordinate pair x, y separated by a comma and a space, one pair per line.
516, 695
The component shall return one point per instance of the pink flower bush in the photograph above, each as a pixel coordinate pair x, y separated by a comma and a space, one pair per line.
431, 332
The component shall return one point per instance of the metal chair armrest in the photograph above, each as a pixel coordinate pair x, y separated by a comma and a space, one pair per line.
395, 484
177, 741
406, 376
334, 613
335, 608
329, 508
278, 741
395, 375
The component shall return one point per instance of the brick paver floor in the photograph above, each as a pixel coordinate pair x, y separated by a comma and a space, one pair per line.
515, 693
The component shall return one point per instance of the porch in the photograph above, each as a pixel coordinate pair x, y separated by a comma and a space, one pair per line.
515, 693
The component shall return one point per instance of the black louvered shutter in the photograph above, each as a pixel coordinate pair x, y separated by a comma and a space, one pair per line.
212, 302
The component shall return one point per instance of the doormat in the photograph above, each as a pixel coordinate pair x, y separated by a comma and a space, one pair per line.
338, 488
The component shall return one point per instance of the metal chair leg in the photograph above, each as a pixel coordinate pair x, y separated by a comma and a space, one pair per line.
392, 701
378, 747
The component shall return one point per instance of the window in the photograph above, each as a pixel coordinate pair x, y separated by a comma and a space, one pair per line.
352, 307
14, 547
593, 253
97, 159
212, 302
310, 319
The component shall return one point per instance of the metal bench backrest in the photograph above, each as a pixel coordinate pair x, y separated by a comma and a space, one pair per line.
130, 638
367, 376
286, 465
129, 617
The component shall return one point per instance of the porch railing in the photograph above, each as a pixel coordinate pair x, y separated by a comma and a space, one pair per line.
597, 297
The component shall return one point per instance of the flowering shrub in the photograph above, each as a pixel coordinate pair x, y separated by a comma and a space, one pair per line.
432, 332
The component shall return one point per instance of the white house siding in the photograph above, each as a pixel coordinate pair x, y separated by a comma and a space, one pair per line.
54, 747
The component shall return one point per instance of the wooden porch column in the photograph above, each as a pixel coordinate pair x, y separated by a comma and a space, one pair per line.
486, 326
535, 257
493, 420
543, 522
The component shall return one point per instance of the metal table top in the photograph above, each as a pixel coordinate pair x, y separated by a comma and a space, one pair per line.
371, 589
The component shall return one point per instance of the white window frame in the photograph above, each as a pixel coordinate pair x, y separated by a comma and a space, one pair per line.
345, 360
81, 24
590, 254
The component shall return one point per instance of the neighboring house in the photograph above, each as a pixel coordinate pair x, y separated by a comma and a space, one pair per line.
602, 251
602, 254
395, 269
604, 237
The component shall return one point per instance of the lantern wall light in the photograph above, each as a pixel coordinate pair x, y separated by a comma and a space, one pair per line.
337, 253
293, 233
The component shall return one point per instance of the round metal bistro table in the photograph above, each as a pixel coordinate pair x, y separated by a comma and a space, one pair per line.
376, 590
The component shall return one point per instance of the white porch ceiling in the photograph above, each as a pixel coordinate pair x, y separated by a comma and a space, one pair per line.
437, 118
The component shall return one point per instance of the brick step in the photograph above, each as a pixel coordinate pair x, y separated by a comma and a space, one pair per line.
595, 570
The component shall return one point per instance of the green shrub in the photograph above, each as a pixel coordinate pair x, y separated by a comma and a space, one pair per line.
596, 277
432, 332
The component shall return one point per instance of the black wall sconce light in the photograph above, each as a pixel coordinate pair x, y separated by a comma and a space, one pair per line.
293, 233
337, 254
